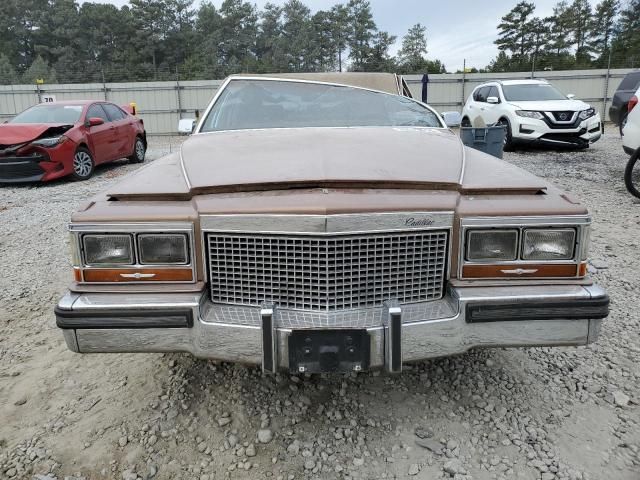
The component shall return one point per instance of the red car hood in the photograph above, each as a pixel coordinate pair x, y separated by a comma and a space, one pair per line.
12, 133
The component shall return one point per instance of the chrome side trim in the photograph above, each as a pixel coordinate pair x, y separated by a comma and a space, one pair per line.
327, 224
221, 88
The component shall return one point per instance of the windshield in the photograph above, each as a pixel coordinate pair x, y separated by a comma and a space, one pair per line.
251, 104
68, 114
531, 92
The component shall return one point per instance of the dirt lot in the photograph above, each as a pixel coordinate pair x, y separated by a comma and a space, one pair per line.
494, 414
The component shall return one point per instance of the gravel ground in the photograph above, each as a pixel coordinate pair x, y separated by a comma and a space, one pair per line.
539, 413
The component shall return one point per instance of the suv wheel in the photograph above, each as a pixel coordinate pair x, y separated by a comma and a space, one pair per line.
508, 139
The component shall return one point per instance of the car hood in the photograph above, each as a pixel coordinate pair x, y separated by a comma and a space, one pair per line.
364, 157
18, 133
552, 105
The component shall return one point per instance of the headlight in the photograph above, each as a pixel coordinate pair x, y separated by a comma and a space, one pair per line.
492, 245
161, 249
584, 114
107, 249
50, 141
550, 244
529, 114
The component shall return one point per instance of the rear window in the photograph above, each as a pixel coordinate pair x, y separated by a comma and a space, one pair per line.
630, 82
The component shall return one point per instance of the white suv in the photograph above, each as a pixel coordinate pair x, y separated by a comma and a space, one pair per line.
631, 131
533, 111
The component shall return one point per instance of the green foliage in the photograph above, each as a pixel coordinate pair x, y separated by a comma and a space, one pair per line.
575, 36
80, 41
39, 70
8, 75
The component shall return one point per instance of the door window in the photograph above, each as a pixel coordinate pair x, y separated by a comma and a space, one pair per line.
481, 94
114, 112
96, 111
493, 92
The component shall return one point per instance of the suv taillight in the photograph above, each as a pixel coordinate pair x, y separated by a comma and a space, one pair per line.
632, 103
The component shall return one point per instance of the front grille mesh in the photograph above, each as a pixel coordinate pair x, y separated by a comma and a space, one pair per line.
329, 272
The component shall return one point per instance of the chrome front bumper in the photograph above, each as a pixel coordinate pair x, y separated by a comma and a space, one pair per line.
465, 318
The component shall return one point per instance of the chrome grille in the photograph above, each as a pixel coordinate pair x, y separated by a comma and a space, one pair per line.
327, 272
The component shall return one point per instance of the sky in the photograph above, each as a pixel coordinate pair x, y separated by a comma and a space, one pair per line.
456, 29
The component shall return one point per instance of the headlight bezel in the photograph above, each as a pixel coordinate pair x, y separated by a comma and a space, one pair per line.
49, 142
85, 258
531, 114
587, 113
522, 267
135, 271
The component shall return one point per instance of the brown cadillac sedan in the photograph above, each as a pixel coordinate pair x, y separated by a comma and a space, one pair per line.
321, 223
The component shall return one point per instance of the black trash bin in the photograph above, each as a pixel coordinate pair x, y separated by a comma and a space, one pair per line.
486, 139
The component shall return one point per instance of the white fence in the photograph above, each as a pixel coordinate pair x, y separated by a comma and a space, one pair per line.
162, 104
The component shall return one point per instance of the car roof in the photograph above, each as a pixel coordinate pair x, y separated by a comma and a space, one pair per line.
384, 82
74, 102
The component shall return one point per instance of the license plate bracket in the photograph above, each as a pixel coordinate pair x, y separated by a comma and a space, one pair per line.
325, 351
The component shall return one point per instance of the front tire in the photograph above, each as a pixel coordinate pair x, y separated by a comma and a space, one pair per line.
83, 164
508, 139
632, 174
139, 151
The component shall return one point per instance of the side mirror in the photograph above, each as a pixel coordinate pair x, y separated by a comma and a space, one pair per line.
452, 119
94, 122
493, 100
571, 96
186, 126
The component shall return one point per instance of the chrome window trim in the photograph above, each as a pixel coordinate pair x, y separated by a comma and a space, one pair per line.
77, 230
578, 222
517, 242
224, 85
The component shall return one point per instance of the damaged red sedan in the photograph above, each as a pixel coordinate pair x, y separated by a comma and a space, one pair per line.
53, 140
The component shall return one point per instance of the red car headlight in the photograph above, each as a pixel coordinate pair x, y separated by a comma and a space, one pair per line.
49, 142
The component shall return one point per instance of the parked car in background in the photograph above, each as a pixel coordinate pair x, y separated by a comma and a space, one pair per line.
631, 132
53, 140
311, 224
619, 108
533, 111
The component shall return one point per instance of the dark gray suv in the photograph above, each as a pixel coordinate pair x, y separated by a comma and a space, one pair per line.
626, 89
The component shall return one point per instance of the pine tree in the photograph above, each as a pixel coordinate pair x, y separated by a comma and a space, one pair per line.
8, 75
515, 31
602, 27
39, 70
341, 31
414, 49
363, 29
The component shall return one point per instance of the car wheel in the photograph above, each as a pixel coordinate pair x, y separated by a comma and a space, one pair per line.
83, 164
465, 122
632, 174
139, 151
508, 139
623, 122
